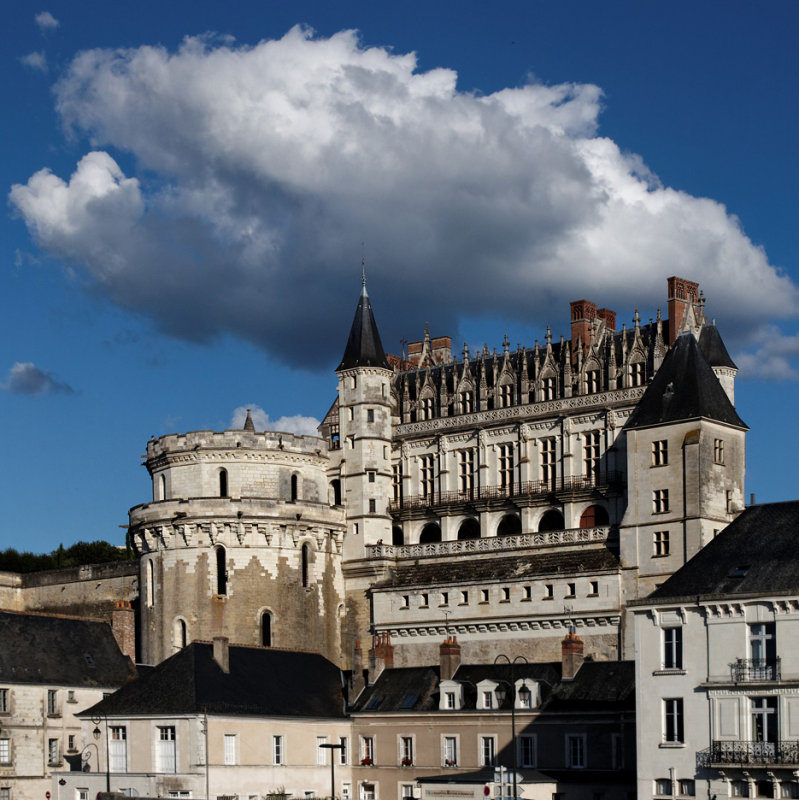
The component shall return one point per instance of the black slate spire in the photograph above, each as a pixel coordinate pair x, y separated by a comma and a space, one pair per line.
363, 347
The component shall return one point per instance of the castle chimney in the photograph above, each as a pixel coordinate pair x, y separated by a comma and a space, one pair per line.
609, 317
222, 653
571, 655
123, 625
583, 312
449, 657
381, 655
681, 294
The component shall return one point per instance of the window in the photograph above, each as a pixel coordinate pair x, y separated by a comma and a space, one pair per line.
221, 571
4, 707
424, 602
5, 751
466, 471
527, 751
570, 589
405, 601
71, 696
592, 381
450, 700
406, 751
673, 720
487, 751
506, 466
548, 463
426, 408
295, 491
370, 415
427, 475
663, 786
637, 373
686, 787
5, 793
505, 594
466, 402
321, 752
444, 598
718, 451
406, 791
305, 554
790, 789
367, 750
344, 750
230, 749
52, 702
660, 453
372, 506
549, 591
593, 588
367, 791
465, 598
449, 751
266, 629
371, 475
591, 455
528, 593
728, 497
548, 389
223, 483
575, 751
672, 648
150, 583
118, 748
505, 395
660, 501
277, 750
396, 482
660, 544
488, 699
740, 788
763, 650
616, 751
165, 749
764, 724
52, 751
179, 633
483, 595
71, 742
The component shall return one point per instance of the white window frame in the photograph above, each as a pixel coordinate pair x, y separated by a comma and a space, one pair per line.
166, 749
576, 752
406, 747
366, 748
118, 748
673, 720
660, 544
673, 647
231, 749
488, 751
5, 750
344, 752
449, 750
53, 751
278, 750
660, 501
660, 453
321, 752
5, 705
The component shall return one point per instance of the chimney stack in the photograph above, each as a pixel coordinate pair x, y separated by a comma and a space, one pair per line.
449, 657
682, 293
222, 653
381, 655
123, 625
571, 655
583, 312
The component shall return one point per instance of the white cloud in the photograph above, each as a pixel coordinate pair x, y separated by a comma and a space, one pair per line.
770, 356
46, 21
266, 167
302, 426
27, 378
36, 60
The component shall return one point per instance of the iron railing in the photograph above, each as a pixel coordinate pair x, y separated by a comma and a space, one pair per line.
755, 669
743, 753
520, 489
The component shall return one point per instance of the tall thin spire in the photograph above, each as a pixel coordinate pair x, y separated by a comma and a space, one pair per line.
364, 348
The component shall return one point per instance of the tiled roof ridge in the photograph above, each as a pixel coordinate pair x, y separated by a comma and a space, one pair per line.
53, 615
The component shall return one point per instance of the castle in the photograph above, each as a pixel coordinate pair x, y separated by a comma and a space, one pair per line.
499, 498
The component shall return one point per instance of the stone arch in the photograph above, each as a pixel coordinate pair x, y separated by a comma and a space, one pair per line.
594, 516
430, 533
552, 520
265, 632
180, 633
221, 570
548, 386
509, 525
397, 536
469, 529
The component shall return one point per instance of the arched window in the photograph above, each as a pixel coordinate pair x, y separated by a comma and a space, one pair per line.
469, 529
305, 554
430, 533
221, 570
509, 525
335, 485
594, 517
150, 583
397, 536
223, 483
266, 629
161, 487
294, 490
180, 634
551, 521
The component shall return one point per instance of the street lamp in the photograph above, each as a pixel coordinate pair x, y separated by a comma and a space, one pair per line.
331, 747
503, 689
97, 733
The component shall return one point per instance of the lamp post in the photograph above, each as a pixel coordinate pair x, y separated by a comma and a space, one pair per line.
501, 699
331, 747
97, 733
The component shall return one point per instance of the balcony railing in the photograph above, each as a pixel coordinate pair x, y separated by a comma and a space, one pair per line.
742, 753
519, 490
745, 670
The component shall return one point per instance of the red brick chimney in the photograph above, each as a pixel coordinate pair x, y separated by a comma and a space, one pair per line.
449, 657
583, 312
571, 655
682, 293
381, 656
123, 625
608, 316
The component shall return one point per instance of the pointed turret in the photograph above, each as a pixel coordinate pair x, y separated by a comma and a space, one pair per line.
364, 348
249, 425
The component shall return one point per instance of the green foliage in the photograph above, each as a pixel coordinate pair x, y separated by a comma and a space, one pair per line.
76, 555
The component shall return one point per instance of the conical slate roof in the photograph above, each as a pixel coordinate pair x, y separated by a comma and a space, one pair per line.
363, 347
712, 346
684, 387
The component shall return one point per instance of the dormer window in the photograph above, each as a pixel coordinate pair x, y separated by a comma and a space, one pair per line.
450, 696
489, 694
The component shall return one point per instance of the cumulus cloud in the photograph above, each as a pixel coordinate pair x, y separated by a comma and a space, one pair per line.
260, 170
27, 378
303, 426
36, 60
770, 356
46, 21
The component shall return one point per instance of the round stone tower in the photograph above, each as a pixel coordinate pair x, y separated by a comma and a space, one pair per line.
240, 540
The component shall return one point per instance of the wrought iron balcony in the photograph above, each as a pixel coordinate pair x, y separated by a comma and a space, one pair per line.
745, 670
743, 753
516, 491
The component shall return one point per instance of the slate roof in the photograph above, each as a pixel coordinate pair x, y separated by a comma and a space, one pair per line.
684, 388
263, 681
428, 572
712, 346
755, 554
597, 686
364, 348
59, 651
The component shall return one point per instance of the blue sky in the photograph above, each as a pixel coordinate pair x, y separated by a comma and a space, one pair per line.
186, 216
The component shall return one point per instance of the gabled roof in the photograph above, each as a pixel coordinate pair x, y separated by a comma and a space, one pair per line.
684, 388
712, 346
261, 680
363, 346
60, 651
400, 689
755, 554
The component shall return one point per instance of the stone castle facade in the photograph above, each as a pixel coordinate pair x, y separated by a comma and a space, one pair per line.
498, 497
